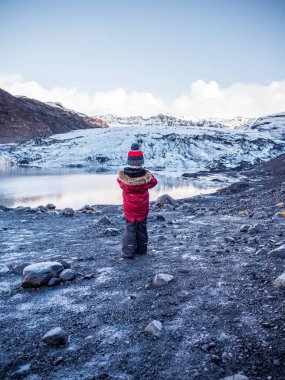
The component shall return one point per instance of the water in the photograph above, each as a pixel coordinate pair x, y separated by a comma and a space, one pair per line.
30, 187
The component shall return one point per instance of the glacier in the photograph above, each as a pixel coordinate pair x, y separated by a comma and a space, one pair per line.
169, 144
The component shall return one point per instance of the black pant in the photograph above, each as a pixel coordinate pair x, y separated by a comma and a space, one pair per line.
135, 237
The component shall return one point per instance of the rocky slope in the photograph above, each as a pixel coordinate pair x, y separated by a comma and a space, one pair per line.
219, 316
22, 118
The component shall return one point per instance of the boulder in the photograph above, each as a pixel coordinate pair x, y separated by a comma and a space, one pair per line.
42, 208
50, 206
39, 274
165, 200
67, 275
55, 337
280, 281
162, 279
68, 211
278, 252
18, 268
154, 328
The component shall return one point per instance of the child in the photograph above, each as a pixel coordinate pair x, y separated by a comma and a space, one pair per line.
135, 181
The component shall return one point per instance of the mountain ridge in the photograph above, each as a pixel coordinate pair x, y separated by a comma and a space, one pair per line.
22, 118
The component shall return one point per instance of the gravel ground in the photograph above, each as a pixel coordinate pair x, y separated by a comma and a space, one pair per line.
220, 315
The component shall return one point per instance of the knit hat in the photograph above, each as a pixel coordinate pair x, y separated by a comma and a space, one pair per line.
135, 156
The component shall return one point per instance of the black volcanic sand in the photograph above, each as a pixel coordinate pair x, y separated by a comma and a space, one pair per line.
221, 314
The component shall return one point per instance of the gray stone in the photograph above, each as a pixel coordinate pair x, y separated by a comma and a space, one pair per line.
165, 200
18, 268
68, 211
244, 228
39, 274
42, 208
229, 239
67, 275
54, 281
55, 337
111, 231
162, 279
154, 328
104, 220
262, 251
236, 377
278, 252
255, 229
50, 206
4, 269
280, 281
260, 215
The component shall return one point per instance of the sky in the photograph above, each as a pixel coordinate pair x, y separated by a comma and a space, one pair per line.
189, 58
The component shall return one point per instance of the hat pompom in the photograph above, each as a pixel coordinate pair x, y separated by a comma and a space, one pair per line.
135, 146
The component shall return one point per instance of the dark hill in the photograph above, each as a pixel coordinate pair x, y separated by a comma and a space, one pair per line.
22, 118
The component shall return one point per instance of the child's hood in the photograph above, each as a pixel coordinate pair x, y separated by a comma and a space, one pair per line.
127, 180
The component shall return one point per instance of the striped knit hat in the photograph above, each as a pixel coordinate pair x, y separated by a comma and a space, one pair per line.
135, 156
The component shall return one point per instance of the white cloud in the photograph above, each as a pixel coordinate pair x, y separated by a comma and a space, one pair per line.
202, 101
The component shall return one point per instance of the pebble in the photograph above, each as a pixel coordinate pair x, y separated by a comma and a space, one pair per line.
54, 281
154, 328
111, 231
244, 228
68, 211
67, 275
236, 377
280, 281
162, 279
278, 252
55, 337
104, 220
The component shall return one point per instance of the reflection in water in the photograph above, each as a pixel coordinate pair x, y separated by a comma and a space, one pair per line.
76, 190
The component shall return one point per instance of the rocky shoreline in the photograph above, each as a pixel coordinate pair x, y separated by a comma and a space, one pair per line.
203, 304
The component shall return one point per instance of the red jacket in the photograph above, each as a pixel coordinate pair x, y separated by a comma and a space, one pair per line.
135, 195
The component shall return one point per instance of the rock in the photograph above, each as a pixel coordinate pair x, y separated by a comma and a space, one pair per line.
262, 251
165, 200
39, 274
260, 215
255, 229
4, 269
18, 268
67, 275
162, 279
3, 208
279, 215
68, 211
229, 239
22, 370
154, 328
111, 231
54, 281
22, 209
278, 252
109, 210
283, 187
50, 206
244, 228
55, 337
160, 217
280, 281
42, 208
236, 377
104, 220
